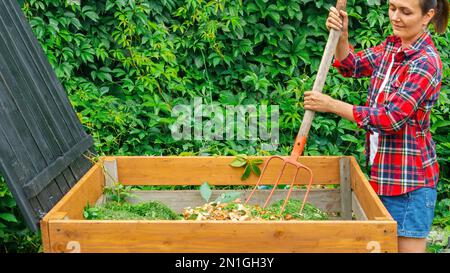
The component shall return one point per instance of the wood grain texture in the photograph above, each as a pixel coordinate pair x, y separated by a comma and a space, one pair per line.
345, 189
368, 199
357, 209
174, 170
210, 236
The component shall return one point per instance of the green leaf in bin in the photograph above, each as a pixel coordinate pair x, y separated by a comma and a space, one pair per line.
205, 191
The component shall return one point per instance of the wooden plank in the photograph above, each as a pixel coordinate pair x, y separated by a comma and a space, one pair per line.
84, 162
195, 170
357, 209
45, 236
369, 200
45, 230
35, 186
110, 172
228, 237
345, 189
86, 191
324, 199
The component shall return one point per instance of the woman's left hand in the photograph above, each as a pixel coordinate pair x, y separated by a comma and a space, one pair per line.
318, 102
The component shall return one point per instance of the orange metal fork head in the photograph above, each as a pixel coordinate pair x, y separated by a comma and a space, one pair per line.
292, 160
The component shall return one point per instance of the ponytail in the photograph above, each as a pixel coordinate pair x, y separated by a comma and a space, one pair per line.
440, 19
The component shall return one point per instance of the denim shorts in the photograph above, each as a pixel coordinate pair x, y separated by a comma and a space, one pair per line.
413, 211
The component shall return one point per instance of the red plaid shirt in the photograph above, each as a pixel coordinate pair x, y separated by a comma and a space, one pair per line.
406, 156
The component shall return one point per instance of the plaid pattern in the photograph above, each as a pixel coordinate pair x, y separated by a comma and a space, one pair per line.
406, 157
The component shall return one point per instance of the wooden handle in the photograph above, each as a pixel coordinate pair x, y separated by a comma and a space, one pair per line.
325, 64
341, 4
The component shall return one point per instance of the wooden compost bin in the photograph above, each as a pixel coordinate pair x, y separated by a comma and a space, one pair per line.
364, 224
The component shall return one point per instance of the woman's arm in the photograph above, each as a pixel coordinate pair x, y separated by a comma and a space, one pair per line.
421, 82
348, 63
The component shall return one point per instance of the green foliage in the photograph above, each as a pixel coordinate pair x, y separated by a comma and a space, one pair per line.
126, 63
14, 235
249, 165
118, 192
152, 210
292, 211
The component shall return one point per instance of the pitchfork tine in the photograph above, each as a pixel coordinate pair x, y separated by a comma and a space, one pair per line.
290, 190
309, 187
259, 179
275, 185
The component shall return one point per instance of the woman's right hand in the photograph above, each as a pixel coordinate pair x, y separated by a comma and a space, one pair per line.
338, 21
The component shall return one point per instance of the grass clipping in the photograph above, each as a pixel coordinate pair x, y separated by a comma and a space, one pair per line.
236, 211
152, 210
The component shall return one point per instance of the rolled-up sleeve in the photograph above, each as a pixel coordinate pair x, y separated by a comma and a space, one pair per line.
420, 82
346, 66
360, 64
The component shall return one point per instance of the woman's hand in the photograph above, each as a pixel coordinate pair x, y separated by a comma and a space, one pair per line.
338, 20
318, 102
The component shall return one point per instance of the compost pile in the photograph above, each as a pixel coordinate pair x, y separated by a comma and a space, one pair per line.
231, 211
236, 211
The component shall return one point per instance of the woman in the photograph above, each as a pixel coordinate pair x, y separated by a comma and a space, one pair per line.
406, 73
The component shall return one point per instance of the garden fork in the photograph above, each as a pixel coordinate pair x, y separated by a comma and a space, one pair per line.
302, 135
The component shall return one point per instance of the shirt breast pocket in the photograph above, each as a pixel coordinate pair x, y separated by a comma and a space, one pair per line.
393, 89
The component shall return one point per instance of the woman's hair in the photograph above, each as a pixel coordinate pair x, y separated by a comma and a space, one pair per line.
440, 18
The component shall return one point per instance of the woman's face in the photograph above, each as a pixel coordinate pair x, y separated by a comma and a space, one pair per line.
407, 19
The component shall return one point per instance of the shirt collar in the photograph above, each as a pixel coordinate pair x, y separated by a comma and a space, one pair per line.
417, 46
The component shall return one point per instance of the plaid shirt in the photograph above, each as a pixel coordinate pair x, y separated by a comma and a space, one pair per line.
406, 156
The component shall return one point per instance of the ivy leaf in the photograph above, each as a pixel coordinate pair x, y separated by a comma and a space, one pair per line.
109, 5
8, 217
205, 191
373, 2
238, 162
246, 173
349, 138
257, 161
255, 169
